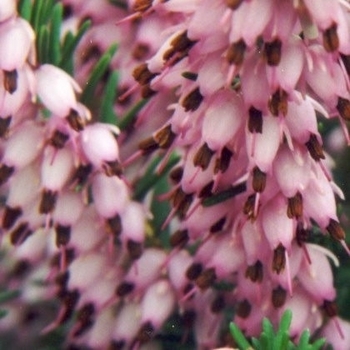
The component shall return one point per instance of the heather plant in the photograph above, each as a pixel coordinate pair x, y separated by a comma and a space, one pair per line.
165, 171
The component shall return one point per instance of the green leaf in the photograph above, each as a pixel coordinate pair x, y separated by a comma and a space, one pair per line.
318, 344
8, 295
150, 178
3, 313
43, 45
55, 34
131, 114
25, 9
107, 105
224, 195
282, 336
70, 43
96, 75
239, 337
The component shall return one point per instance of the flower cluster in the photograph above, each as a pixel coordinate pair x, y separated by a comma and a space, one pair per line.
235, 87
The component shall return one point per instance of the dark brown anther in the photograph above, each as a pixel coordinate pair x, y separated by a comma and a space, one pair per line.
315, 149
222, 163
346, 61
5, 125
243, 309
93, 52
259, 180
145, 333
206, 278
188, 318
164, 137
182, 201
330, 307
255, 272
194, 271
301, 235
233, 4
135, 249
140, 51
10, 81
20, 234
343, 107
69, 256
147, 91
85, 317
235, 52
179, 238
203, 157
113, 168
249, 205
273, 52
218, 226
255, 121
193, 100
278, 103
82, 174
176, 174
59, 139
114, 225
85, 312
335, 230
295, 206
124, 289
218, 304
206, 191
116, 345
331, 39
279, 296
5, 173
62, 279
21, 268
70, 301
279, 259
190, 76
148, 145
48, 202
10, 216
62, 235
181, 44
75, 121
142, 74
142, 5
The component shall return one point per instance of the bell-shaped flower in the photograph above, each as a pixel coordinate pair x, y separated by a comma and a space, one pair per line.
277, 226
16, 42
110, 195
331, 333
317, 277
24, 145
56, 89
157, 304
7, 9
222, 119
292, 170
263, 149
99, 144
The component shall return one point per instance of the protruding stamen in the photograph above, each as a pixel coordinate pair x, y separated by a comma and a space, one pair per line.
203, 157
331, 39
343, 107
244, 309
335, 230
279, 259
48, 202
255, 121
233, 4
315, 149
222, 163
259, 180
255, 272
10, 81
295, 206
179, 238
206, 278
273, 52
278, 103
235, 52
193, 100
59, 139
279, 296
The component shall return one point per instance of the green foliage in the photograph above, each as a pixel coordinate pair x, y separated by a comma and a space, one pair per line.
45, 16
279, 340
